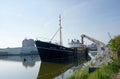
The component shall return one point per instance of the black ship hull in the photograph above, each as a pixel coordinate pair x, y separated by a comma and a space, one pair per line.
56, 53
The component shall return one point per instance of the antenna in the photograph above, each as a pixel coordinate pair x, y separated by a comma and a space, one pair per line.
109, 35
60, 30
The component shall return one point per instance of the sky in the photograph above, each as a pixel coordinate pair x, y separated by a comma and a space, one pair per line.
39, 19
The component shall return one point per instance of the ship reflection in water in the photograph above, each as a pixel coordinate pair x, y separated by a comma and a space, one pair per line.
30, 67
56, 70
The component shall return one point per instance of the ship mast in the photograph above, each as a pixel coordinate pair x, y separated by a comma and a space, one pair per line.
60, 30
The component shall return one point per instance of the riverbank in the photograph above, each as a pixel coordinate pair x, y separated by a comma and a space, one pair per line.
105, 72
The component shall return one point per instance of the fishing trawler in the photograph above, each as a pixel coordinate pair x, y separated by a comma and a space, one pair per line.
49, 51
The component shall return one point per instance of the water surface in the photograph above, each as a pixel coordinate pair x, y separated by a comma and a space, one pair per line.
30, 67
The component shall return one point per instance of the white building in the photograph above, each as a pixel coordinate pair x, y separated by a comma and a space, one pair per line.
28, 47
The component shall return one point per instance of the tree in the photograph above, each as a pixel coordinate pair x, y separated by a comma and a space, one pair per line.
115, 43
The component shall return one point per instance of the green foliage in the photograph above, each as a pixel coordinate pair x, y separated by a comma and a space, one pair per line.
83, 74
72, 76
106, 72
100, 74
115, 43
80, 74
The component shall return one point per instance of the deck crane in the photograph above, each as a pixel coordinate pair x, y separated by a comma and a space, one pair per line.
102, 51
100, 45
109, 35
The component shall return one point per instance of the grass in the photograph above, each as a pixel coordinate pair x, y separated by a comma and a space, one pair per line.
80, 74
106, 72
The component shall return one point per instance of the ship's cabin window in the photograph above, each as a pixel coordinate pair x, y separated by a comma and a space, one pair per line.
75, 41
